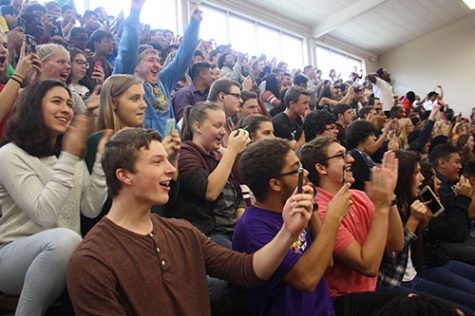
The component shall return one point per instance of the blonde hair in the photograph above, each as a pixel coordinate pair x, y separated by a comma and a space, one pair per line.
403, 137
111, 90
46, 51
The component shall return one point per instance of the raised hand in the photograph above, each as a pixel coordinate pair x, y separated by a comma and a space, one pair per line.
74, 140
98, 75
197, 14
383, 181
94, 99
29, 66
137, 4
238, 141
340, 203
464, 187
298, 210
104, 139
172, 144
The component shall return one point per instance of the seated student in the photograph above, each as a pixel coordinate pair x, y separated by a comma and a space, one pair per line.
451, 229
371, 225
44, 187
270, 168
123, 106
407, 269
259, 126
344, 116
360, 141
319, 124
135, 263
289, 124
209, 196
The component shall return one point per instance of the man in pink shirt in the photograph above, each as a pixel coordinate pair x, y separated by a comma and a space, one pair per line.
372, 224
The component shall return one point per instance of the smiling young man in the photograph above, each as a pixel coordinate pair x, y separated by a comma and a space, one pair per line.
135, 263
289, 124
271, 169
158, 83
372, 224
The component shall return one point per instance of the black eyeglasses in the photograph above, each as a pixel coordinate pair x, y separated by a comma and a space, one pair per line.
342, 155
296, 171
237, 95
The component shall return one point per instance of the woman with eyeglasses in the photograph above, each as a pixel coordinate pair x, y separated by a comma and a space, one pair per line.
210, 196
79, 66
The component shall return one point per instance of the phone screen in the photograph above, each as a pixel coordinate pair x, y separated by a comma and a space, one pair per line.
170, 126
435, 206
343, 181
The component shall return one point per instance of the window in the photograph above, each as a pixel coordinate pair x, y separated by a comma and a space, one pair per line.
213, 25
292, 51
343, 64
155, 13
250, 36
243, 35
268, 42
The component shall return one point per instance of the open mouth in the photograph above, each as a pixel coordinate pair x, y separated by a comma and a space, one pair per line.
62, 119
3, 59
64, 76
165, 185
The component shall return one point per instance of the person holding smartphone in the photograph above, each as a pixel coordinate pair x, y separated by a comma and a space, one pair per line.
406, 269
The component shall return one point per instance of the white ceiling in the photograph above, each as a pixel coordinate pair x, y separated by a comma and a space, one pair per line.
372, 25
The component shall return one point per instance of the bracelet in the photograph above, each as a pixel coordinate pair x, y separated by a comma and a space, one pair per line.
16, 80
18, 77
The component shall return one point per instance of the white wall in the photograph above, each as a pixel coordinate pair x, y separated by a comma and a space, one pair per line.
446, 57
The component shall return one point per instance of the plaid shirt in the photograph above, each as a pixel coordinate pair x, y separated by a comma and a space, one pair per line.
394, 263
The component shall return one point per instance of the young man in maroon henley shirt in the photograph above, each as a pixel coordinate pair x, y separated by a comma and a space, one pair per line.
135, 263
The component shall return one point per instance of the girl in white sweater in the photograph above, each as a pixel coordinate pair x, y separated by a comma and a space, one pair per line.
44, 186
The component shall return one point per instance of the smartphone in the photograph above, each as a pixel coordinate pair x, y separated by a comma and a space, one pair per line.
343, 181
171, 123
98, 64
30, 44
300, 181
435, 206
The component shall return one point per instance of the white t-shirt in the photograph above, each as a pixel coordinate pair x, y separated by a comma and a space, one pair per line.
384, 91
410, 272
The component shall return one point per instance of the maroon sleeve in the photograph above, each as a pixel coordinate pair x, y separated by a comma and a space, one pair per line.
228, 264
91, 287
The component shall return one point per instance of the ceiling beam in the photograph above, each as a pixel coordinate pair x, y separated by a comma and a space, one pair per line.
338, 19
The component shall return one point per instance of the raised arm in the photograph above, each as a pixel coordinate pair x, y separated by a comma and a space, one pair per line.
129, 42
308, 271
217, 179
366, 258
175, 71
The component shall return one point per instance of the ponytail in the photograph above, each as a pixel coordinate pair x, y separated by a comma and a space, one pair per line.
197, 113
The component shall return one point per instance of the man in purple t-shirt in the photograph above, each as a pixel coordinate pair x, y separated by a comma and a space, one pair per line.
271, 170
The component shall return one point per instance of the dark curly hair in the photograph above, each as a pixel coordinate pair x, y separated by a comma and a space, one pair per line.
262, 161
26, 127
357, 132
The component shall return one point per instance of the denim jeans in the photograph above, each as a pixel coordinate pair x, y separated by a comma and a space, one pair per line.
34, 267
453, 282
